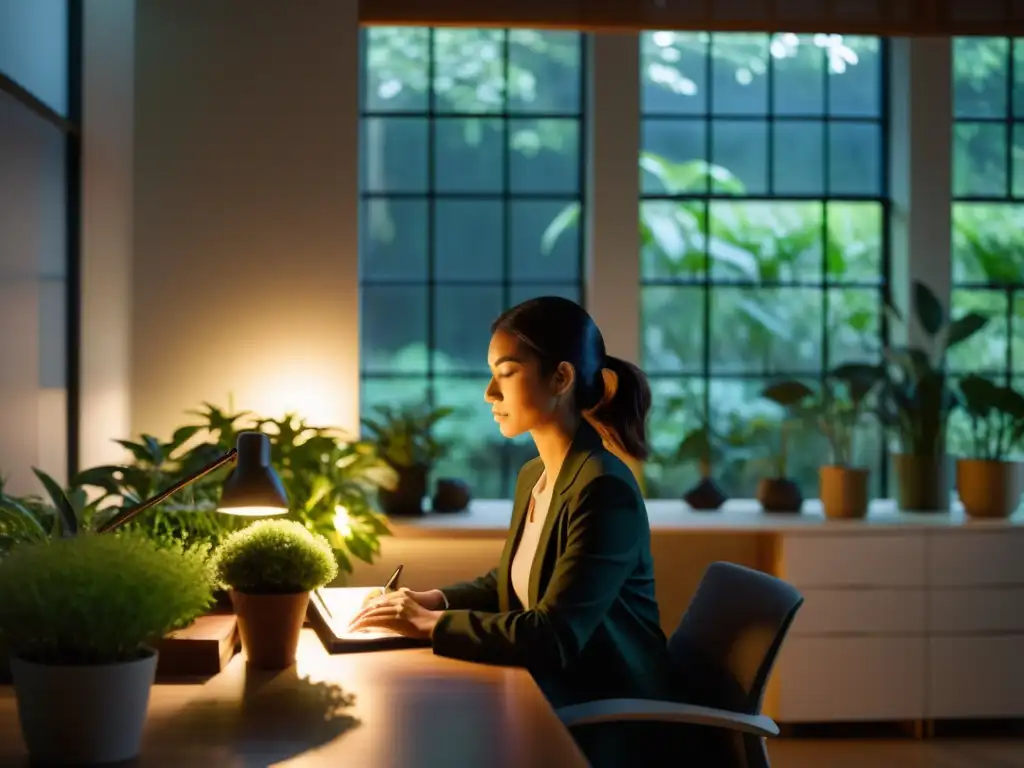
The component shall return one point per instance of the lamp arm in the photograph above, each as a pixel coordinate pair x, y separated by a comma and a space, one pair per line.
126, 515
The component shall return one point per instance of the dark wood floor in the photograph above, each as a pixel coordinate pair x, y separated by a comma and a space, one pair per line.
897, 753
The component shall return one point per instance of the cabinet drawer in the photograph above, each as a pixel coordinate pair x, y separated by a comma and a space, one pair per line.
854, 560
865, 611
839, 679
976, 611
975, 677
976, 558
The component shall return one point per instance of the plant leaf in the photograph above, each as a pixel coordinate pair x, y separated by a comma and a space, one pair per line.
964, 327
928, 309
65, 511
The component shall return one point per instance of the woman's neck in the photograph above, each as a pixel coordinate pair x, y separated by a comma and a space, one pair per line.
553, 441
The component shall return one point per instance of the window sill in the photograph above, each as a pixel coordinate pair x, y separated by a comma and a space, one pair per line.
490, 518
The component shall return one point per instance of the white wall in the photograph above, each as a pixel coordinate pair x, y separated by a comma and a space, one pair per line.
245, 274
107, 145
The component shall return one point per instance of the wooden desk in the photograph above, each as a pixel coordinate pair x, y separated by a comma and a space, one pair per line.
389, 709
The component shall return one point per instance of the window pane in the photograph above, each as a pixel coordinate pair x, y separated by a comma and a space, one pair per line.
34, 48
472, 183
985, 352
393, 235
988, 235
469, 240
532, 257
773, 242
766, 331
855, 236
463, 316
677, 408
33, 298
395, 78
469, 155
672, 319
394, 328
791, 276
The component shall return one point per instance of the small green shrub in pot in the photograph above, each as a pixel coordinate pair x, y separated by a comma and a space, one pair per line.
270, 567
80, 616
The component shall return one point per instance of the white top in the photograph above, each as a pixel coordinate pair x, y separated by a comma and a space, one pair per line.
522, 559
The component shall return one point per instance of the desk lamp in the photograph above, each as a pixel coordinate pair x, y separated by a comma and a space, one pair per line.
252, 489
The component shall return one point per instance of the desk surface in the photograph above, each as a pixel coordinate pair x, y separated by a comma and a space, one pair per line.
388, 709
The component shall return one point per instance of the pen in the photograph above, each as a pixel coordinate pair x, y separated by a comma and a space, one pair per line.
392, 582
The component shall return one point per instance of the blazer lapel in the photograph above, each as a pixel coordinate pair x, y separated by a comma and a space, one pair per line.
519, 506
584, 443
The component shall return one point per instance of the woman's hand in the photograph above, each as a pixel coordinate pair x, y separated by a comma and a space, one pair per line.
402, 611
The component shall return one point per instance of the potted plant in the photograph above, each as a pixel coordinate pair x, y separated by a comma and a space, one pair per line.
334, 476
838, 413
779, 492
917, 401
80, 615
700, 445
405, 441
270, 567
988, 483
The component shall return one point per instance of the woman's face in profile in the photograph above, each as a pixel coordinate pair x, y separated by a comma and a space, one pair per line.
519, 398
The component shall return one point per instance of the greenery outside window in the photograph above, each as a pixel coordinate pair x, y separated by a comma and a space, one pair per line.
763, 219
988, 210
471, 147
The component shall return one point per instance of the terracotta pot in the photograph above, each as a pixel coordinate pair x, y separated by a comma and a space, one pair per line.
923, 482
988, 488
269, 626
844, 492
779, 494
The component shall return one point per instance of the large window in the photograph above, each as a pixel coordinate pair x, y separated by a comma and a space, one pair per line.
988, 208
762, 226
39, 66
472, 148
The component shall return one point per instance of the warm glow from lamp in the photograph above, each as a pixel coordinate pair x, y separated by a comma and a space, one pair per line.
304, 384
342, 522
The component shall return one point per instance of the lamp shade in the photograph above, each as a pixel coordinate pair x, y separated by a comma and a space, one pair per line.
253, 488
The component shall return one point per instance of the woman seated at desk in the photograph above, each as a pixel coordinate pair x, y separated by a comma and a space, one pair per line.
572, 599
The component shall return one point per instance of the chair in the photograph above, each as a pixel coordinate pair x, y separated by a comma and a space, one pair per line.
723, 651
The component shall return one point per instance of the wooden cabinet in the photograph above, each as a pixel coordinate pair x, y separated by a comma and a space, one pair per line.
903, 624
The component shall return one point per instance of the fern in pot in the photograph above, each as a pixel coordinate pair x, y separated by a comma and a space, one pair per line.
270, 567
80, 616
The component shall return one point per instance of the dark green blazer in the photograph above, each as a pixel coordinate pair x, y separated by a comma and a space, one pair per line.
592, 629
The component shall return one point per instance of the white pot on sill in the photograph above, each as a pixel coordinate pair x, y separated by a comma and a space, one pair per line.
83, 714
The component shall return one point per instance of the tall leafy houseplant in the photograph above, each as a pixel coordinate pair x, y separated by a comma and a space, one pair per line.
988, 481
917, 399
778, 492
405, 440
838, 411
270, 568
702, 446
80, 615
331, 481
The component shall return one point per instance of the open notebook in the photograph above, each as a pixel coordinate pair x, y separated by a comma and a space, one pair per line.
331, 609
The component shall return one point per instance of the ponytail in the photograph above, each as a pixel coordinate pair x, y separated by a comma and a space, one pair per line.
622, 410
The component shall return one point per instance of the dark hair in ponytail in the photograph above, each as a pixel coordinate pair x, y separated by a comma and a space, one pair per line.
558, 330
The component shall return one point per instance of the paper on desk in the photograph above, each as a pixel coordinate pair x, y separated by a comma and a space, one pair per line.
342, 604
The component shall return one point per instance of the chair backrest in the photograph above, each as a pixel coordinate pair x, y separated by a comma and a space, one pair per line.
727, 641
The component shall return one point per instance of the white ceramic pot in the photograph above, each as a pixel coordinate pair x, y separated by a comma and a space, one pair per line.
83, 714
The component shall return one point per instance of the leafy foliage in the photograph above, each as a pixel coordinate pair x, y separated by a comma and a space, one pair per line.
790, 396
840, 406
98, 599
996, 414
31, 518
917, 399
330, 481
274, 557
404, 434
